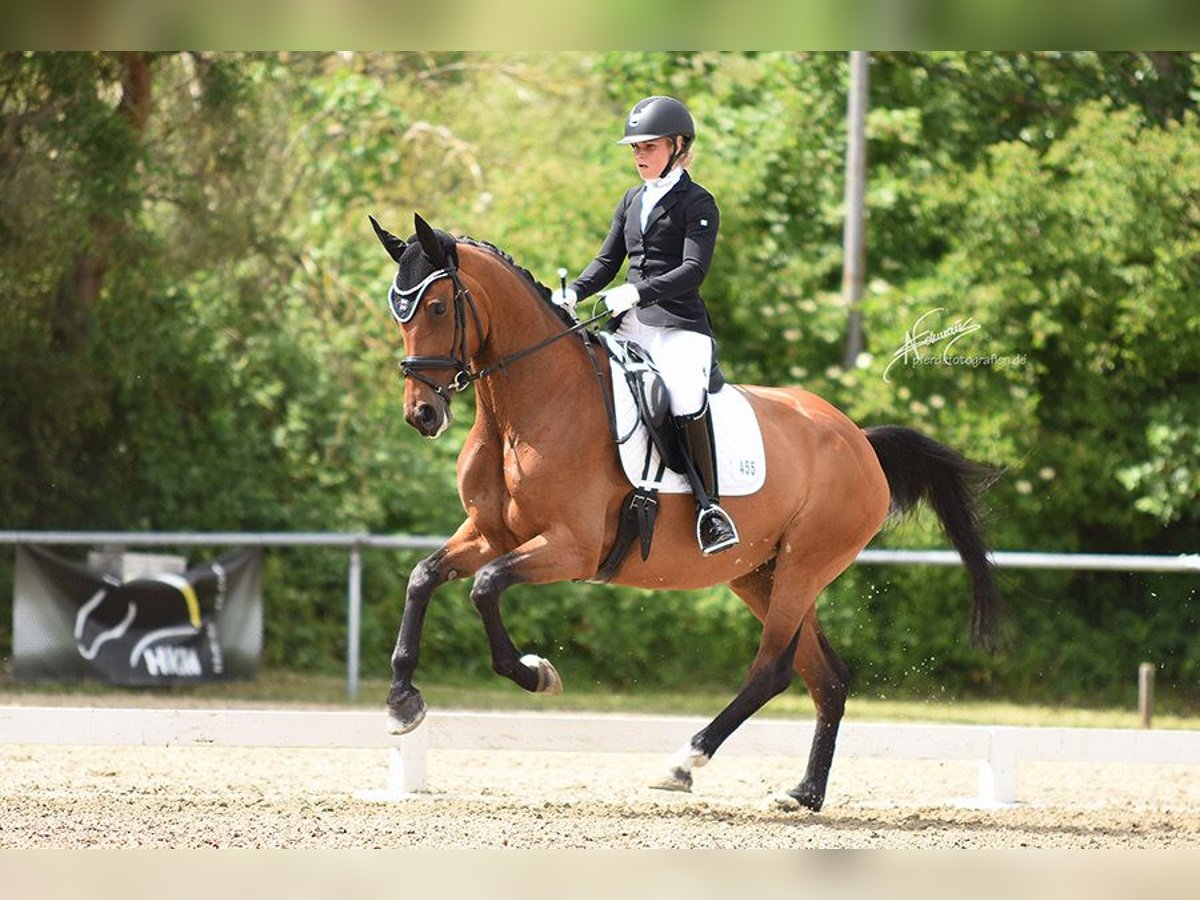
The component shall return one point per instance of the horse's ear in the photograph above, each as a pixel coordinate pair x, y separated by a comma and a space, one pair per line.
392, 244
429, 242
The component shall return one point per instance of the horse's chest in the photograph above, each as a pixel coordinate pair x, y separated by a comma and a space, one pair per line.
523, 466
522, 478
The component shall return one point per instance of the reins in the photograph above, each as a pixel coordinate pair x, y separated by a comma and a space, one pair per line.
464, 377
540, 345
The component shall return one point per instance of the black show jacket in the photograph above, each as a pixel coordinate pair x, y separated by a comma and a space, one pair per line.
668, 262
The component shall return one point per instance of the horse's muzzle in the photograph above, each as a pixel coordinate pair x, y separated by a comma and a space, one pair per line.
430, 419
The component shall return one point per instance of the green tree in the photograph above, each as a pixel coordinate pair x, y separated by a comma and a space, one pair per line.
193, 334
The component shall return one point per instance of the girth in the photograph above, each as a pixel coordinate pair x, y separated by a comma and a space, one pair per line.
639, 510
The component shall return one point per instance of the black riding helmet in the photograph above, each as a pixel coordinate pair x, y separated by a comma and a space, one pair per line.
657, 117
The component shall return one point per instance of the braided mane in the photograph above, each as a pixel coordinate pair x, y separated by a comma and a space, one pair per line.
540, 289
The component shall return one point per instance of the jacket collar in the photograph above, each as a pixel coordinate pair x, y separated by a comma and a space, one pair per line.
669, 199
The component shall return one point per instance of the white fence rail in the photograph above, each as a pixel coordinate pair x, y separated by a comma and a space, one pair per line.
354, 544
1011, 559
999, 750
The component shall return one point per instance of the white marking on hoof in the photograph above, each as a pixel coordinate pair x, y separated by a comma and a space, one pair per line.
781, 802
688, 757
675, 780
679, 769
549, 681
398, 726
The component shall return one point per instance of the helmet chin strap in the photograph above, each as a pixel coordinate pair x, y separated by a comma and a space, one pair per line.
676, 152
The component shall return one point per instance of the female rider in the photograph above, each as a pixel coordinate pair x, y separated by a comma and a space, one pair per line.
667, 228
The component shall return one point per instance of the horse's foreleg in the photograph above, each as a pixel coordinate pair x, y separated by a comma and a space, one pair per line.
541, 560
457, 558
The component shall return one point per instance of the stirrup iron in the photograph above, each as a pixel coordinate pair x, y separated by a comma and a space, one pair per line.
722, 542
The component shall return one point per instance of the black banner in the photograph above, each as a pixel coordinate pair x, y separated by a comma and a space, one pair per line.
71, 621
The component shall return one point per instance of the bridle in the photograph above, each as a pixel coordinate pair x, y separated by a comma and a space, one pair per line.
458, 359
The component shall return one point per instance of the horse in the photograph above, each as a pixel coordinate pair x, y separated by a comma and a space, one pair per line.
469, 315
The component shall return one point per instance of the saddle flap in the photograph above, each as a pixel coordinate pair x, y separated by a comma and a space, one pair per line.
653, 406
741, 460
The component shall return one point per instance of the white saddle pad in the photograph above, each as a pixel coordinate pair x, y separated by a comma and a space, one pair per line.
741, 462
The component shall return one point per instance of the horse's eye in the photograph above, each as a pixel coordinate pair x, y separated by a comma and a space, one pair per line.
437, 308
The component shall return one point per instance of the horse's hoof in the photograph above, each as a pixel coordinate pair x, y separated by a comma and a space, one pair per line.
781, 802
406, 712
549, 681
805, 795
677, 779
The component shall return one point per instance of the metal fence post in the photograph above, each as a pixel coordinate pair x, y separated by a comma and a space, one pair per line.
1146, 694
353, 620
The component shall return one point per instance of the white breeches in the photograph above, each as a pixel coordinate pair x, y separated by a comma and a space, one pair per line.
683, 357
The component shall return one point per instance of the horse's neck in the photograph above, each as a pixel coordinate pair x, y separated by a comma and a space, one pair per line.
540, 391
532, 399
547, 388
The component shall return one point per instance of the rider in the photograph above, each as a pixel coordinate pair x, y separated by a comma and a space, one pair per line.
667, 227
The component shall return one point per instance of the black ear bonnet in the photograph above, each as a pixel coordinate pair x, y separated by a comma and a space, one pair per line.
427, 256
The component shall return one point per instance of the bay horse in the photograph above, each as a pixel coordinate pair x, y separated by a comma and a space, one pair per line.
541, 485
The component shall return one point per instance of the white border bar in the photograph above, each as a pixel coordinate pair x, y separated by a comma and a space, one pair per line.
999, 749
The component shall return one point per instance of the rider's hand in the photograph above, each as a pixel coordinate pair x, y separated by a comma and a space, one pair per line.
565, 297
621, 298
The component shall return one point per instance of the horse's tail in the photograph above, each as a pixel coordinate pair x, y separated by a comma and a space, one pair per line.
919, 468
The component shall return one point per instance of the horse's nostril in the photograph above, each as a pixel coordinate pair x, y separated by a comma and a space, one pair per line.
425, 418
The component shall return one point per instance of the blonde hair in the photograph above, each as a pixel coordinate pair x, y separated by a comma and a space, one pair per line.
685, 158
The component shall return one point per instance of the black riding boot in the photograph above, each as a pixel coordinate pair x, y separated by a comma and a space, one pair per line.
715, 531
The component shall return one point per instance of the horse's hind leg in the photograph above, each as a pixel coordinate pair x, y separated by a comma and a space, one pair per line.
828, 681
791, 601
825, 675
